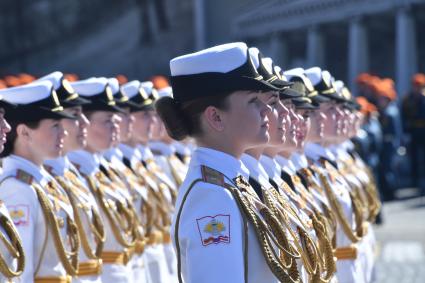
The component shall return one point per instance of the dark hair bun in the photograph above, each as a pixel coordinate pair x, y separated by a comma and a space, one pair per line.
170, 112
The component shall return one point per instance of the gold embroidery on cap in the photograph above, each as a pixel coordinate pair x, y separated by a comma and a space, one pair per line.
109, 95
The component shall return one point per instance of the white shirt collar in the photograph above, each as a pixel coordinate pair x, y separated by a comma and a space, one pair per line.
299, 161
145, 152
271, 167
128, 151
286, 164
181, 148
218, 160
315, 151
112, 153
348, 145
88, 163
163, 148
59, 165
256, 170
340, 152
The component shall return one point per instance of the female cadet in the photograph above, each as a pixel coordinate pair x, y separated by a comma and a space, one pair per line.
216, 228
46, 224
349, 266
158, 270
159, 207
86, 210
155, 205
149, 166
12, 256
357, 178
306, 227
310, 126
114, 202
278, 127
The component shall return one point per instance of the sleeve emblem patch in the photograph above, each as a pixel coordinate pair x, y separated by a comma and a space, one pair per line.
214, 229
19, 214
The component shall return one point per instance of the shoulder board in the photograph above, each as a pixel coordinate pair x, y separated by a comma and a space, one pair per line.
212, 176
24, 177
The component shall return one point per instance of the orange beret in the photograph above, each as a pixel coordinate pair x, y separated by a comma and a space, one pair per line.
159, 82
363, 78
12, 81
2, 84
384, 90
71, 77
366, 106
121, 79
26, 78
418, 80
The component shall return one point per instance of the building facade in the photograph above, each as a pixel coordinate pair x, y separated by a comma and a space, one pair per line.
384, 37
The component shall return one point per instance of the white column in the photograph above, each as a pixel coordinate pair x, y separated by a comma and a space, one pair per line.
279, 50
315, 48
200, 25
358, 57
406, 50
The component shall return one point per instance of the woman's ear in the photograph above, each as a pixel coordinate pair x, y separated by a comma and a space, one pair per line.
23, 132
214, 118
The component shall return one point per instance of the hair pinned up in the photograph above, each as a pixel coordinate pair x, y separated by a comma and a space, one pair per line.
173, 117
184, 119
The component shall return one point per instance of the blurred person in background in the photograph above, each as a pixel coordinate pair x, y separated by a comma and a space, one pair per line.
413, 113
392, 135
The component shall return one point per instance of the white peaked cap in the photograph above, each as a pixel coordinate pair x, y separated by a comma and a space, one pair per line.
220, 59
253, 53
314, 75
90, 87
114, 84
299, 72
327, 77
295, 72
278, 70
28, 93
268, 64
339, 85
55, 78
131, 89
166, 91
147, 86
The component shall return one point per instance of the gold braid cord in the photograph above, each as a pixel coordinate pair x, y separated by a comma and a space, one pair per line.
316, 256
338, 210
173, 163
329, 218
162, 207
369, 188
73, 189
273, 260
156, 173
156, 209
358, 204
128, 180
373, 196
119, 217
14, 247
69, 259
292, 250
324, 246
